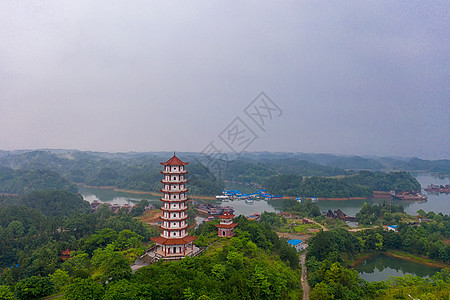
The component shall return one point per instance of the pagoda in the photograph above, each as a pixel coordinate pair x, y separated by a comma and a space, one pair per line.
226, 226
174, 242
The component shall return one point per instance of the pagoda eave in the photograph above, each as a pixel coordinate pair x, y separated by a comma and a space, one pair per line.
174, 192
174, 209
176, 182
173, 200
226, 226
173, 228
174, 220
177, 241
226, 217
174, 172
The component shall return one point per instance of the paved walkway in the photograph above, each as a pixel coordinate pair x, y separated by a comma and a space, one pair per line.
304, 279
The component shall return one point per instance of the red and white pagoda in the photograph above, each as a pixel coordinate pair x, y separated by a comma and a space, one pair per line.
174, 242
226, 226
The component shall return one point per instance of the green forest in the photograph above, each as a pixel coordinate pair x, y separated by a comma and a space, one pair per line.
254, 264
289, 175
361, 184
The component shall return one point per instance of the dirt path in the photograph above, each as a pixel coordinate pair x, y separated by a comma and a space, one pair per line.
304, 279
358, 229
291, 236
314, 222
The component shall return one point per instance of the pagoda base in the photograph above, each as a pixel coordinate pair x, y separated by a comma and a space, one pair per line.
152, 255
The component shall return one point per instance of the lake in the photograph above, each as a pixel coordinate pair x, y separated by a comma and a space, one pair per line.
436, 202
380, 267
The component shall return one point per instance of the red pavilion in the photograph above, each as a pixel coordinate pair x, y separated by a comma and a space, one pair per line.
226, 226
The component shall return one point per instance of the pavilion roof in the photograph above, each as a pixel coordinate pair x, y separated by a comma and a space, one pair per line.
226, 215
174, 161
178, 241
232, 225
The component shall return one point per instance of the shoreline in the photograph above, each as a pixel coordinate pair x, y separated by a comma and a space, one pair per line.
416, 259
360, 258
156, 194
376, 194
401, 255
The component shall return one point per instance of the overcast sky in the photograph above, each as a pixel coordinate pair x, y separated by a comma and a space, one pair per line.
347, 77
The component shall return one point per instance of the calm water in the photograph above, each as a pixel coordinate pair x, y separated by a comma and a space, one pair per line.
380, 267
435, 202
111, 196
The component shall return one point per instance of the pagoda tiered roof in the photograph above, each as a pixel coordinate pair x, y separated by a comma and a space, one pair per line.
226, 215
174, 161
177, 241
174, 209
231, 225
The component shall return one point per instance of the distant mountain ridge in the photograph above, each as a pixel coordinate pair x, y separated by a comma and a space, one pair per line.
141, 170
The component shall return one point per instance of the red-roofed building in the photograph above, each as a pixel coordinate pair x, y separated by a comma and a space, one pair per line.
226, 226
65, 255
174, 241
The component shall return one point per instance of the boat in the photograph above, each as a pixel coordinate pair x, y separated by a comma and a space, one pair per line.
409, 196
249, 201
438, 188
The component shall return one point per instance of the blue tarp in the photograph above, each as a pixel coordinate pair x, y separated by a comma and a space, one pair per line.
295, 242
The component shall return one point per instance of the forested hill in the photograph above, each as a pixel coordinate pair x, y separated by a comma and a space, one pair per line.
24, 181
361, 184
354, 162
50, 203
254, 264
59, 169
136, 171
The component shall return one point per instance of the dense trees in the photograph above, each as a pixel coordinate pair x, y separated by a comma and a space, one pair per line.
25, 181
359, 185
40, 170
235, 269
369, 214
378, 181
253, 264
329, 251
292, 185
305, 209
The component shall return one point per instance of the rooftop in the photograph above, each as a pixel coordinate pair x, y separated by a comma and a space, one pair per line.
295, 242
174, 161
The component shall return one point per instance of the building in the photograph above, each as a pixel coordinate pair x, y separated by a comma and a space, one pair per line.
392, 228
174, 242
226, 226
297, 244
65, 255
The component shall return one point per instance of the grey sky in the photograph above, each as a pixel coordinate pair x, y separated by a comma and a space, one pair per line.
352, 77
